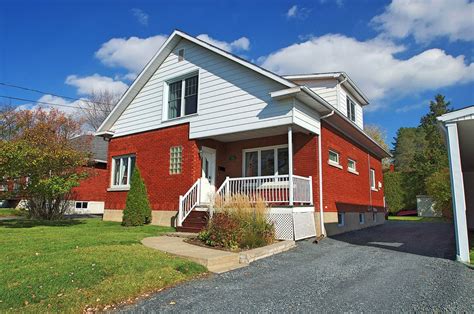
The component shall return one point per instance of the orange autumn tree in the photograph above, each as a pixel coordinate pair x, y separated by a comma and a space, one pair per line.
36, 149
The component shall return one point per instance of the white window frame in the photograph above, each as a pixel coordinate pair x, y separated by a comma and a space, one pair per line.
352, 169
351, 104
129, 171
259, 158
166, 86
333, 163
361, 221
372, 179
343, 219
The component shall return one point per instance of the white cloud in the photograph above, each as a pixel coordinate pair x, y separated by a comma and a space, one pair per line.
129, 53
243, 43
426, 20
47, 102
86, 85
296, 12
292, 11
141, 16
372, 64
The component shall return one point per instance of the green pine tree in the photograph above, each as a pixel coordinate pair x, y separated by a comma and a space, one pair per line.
137, 209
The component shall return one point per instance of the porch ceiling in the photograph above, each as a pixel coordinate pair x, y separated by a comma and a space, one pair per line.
265, 132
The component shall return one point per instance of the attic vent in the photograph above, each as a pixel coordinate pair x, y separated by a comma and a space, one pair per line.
180, 55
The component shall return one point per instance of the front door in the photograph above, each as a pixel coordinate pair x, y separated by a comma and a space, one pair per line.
208, 181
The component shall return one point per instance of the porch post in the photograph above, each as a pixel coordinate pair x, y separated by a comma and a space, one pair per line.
290, 165
457, 189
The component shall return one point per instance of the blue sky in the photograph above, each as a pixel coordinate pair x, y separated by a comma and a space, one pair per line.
400, 54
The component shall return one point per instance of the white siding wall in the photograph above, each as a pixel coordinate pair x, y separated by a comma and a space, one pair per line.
343, 107
324, 88
306, 117
232, 98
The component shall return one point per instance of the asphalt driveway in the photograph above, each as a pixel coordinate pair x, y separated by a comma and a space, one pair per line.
399, 266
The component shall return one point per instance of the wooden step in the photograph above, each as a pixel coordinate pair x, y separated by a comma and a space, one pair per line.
189, 229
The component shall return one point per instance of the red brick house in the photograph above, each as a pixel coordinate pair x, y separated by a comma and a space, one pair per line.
200, 122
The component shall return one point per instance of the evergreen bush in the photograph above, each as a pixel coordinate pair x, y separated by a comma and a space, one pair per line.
137, 209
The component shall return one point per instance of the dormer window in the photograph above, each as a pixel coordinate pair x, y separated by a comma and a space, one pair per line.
182, 97
351, 109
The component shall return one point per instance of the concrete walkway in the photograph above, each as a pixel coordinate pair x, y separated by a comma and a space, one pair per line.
216, 261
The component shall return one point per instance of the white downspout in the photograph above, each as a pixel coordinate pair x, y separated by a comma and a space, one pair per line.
320, 166
290, 165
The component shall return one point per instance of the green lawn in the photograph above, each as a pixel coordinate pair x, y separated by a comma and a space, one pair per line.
7, 212
417, 219
74, 264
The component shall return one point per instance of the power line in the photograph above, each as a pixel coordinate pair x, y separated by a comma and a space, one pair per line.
49, 103
45, 93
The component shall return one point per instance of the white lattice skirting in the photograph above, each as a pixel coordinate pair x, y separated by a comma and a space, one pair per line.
293, 223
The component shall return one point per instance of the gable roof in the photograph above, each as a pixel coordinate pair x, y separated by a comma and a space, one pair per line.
158, 59
171, 43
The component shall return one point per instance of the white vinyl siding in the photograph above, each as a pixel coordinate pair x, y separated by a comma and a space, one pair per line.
231, 98
306, 117
359, 119
326, 88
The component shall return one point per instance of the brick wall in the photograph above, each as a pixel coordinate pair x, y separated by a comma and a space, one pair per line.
94, 187
152, 150
343, 190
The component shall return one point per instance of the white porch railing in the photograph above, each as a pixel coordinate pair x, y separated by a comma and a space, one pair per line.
270, 189
189, 201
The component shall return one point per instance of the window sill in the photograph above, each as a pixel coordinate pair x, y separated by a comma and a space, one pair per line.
118, 188
179, 118
374, 189
353, 171
331, 163
340, 225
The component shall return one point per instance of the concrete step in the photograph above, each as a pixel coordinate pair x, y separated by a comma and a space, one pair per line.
189, 229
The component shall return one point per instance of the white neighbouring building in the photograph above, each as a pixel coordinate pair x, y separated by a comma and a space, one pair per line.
459, 130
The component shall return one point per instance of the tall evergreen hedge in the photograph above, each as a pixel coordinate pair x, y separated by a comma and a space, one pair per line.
137, 209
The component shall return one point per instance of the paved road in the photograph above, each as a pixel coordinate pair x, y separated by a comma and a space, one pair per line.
399, 266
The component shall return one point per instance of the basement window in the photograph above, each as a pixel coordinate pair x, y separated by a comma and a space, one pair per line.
340, 219
361, 218
82, 205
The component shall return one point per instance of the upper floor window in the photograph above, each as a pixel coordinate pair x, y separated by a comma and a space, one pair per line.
333, 157
351, 165
182, 97
372, 179
351, 109
122, 169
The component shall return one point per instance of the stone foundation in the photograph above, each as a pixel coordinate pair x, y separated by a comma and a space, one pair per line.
163, 218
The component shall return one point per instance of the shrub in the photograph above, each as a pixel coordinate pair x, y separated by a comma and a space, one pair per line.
394, 192
438, 186
137, 209
238, 224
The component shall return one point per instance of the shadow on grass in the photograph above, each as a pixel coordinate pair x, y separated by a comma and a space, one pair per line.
30, 223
